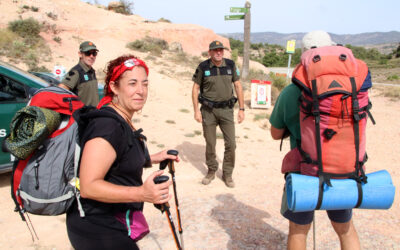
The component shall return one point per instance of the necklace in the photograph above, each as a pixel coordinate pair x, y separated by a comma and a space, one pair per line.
126, 116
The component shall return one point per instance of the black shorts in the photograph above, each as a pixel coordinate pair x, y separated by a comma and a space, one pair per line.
304, 218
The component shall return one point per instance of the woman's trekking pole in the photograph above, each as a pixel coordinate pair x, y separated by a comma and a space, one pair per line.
171, 169
165, 208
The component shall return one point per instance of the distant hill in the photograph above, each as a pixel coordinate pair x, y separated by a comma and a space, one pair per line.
391, 39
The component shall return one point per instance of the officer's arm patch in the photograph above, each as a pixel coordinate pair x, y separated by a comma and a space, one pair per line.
237, 71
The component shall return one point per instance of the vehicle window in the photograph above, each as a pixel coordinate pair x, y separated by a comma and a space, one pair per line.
11, 90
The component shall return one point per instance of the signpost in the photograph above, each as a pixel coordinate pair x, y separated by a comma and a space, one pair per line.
246, 37
234, 17
290, 46
238, 10
290, 49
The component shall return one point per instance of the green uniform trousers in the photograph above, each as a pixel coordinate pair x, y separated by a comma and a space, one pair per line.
222, 117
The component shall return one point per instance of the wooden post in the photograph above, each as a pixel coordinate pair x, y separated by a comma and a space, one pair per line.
246, 42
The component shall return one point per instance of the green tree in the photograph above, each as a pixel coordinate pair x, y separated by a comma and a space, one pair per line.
236, 44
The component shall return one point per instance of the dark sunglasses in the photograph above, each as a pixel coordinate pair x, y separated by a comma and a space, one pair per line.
88, 53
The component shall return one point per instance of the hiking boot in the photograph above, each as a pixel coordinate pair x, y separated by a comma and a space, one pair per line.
209, 177
228, 181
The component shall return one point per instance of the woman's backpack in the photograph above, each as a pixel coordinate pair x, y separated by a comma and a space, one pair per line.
44, 176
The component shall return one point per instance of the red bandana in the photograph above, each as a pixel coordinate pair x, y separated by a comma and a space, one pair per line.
117, 72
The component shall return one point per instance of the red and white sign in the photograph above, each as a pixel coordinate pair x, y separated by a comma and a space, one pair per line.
260, 94
59, 72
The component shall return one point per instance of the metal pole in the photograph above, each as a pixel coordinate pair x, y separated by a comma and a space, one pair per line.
246, 41
288, 67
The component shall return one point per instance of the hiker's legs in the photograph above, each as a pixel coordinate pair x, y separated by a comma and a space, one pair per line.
209, 131
299, 225
347, 235
297, 238
344, 227
227, 126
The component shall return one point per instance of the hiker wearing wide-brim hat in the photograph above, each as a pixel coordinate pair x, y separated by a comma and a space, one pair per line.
81, 79
214, 81
285, 121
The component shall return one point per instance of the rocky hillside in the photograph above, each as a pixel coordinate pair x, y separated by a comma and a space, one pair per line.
67, 23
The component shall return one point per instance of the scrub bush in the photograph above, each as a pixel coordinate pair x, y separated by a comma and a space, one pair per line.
26, 28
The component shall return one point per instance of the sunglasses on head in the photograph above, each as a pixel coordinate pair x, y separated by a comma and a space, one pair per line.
88, 53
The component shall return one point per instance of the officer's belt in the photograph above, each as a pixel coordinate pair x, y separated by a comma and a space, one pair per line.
211, 104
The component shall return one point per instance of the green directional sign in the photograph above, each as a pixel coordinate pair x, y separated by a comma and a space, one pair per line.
234, 17
238, 10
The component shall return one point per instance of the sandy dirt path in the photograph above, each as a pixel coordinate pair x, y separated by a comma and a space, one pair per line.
214, 216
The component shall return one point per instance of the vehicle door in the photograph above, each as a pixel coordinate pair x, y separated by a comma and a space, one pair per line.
13, 96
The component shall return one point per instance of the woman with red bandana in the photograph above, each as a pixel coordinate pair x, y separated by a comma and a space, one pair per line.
114, 154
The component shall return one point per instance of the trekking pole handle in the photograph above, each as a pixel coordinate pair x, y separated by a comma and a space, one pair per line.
158, 180
165, 162
171, 162
173, 152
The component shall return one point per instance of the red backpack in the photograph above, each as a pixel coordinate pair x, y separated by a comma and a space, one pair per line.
334, 107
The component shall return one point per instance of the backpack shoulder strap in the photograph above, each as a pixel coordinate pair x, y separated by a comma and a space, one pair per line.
84, 115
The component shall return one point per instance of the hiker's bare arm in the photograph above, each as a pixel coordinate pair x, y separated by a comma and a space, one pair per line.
162, 155
239, 93
61, 85
277, 133
195, 100
97, 157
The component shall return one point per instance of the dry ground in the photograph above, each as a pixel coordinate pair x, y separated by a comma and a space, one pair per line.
214, 216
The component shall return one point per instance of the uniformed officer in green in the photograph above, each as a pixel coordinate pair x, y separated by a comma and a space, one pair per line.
81, 79
213, 88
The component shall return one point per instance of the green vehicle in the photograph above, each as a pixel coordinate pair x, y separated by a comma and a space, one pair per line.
16, 87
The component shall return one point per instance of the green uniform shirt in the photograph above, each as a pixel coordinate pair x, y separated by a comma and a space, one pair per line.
216, 81
83, 84
286, 113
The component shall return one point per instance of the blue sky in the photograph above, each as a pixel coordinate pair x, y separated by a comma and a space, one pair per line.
283, 16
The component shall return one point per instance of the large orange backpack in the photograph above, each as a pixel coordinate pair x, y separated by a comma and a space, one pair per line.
334, 107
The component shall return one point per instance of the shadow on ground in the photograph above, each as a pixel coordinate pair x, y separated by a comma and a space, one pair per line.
195, 154
246, 225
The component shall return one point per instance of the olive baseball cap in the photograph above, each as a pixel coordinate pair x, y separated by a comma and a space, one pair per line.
216, 45
87, 46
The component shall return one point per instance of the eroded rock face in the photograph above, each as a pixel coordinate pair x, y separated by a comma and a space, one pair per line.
194, 39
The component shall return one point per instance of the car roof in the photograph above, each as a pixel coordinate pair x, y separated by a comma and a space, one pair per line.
15, 71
